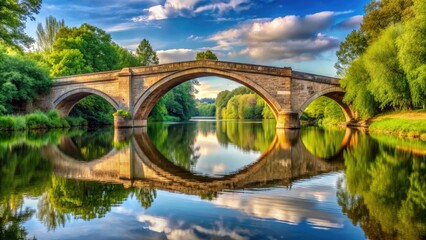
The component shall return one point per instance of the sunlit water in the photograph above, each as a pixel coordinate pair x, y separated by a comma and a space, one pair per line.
211, 179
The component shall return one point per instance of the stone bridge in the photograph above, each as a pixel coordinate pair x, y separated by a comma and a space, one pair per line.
138, 89
142, 165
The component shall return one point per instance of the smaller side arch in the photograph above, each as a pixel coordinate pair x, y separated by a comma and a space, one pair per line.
334, 93
67, 101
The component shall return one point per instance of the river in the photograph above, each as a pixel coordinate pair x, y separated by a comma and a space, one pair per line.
210, 179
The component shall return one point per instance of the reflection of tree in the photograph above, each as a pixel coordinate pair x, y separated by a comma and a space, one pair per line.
145, 196
323, 143
12, 215
91, 145
386, 187
176, 142
68, 198
22, 171
248, 136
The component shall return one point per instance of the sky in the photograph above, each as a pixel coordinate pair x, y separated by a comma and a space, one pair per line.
301, 34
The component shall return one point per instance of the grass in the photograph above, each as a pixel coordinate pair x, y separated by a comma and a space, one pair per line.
39, 120
404, 124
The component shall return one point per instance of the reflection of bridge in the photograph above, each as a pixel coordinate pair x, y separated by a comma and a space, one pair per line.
142, 165
138, 89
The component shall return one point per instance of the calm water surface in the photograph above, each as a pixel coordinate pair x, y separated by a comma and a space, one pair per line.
211, 180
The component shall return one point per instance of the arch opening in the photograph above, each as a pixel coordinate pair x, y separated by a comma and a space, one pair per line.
93, 105
327, 104
146, 102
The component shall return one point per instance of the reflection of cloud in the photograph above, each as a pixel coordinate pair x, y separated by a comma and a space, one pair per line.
300, 206
179, 231
219, 168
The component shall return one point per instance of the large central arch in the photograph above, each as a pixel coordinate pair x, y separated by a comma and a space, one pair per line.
146, 102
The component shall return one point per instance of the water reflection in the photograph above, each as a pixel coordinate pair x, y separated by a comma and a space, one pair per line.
130, 176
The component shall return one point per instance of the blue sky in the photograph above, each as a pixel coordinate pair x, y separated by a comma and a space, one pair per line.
302, 34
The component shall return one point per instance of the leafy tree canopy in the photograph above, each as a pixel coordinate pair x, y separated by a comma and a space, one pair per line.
207, 55
88, 42
13, 17
145, 54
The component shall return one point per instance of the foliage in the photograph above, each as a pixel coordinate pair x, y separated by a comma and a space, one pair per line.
349, 50
384, 190
387, 71
357, 95
88, 43
241, 103
13, 18
126, 57
325, 110
387, 79
412, 54
207, 55
21, 81
38, 120
179, 103
381, 14
206, 109
145, 54
95, 109
123, 113
46, 35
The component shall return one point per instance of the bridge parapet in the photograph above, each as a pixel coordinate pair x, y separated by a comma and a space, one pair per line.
227, 66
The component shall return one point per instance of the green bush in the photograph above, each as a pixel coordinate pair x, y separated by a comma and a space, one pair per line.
7, 123
123, 113
37, 120
76, 121
20, 122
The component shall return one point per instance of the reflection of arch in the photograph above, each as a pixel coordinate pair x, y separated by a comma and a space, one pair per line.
67, 101
67, 145
334, 93
151, 96
142, 165
343, 146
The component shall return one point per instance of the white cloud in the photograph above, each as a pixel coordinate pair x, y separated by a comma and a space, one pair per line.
177, 231
292, 38
194, 37
352, 22
176, 55
189, 8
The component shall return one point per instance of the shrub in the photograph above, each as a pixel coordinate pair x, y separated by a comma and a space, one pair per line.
123, 113
7, 123
76, 121
37, 120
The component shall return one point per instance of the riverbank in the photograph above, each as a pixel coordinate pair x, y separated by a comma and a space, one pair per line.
402, 124
39, 120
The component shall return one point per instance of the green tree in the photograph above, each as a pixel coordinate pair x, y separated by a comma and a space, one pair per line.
207, 55
46, 35
21, 80
349, 50
412, 54
381, 14
126, 57
13, 17
388, 82
145, 54
93, 44
357, 95
96, 110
